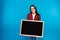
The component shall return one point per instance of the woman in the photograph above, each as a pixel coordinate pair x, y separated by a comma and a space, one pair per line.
33, 15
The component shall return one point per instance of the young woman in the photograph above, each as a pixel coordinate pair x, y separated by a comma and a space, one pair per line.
33, 15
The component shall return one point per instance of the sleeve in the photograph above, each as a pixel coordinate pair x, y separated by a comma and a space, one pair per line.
39, 17
28, 17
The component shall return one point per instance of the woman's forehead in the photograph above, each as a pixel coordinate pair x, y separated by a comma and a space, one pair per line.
32, 7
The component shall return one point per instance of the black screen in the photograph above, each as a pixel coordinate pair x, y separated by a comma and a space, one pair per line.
32, 28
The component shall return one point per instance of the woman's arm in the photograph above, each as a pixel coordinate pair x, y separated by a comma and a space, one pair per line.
39, 17
28, 17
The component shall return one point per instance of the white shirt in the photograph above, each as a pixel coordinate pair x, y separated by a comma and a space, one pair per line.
33, 15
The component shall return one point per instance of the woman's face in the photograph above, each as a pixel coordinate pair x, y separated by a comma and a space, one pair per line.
32, 9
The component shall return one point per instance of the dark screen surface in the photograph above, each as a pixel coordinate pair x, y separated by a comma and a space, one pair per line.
32, 28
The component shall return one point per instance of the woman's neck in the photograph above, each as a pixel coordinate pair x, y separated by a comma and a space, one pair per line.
33, 13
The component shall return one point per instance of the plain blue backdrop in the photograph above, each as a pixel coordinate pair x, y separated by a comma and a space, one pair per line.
12, 11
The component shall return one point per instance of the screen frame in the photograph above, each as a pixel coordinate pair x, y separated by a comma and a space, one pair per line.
28, 34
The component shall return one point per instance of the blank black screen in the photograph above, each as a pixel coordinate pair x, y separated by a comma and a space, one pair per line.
32, 28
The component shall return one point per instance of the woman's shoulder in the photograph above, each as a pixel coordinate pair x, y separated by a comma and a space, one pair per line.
38, 14
29, 14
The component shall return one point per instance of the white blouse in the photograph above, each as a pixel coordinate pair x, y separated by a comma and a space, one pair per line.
33, 15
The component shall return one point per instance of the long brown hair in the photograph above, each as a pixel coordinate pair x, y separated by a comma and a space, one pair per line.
35, 9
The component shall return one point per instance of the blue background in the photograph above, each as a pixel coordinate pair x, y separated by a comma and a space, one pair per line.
12, 11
